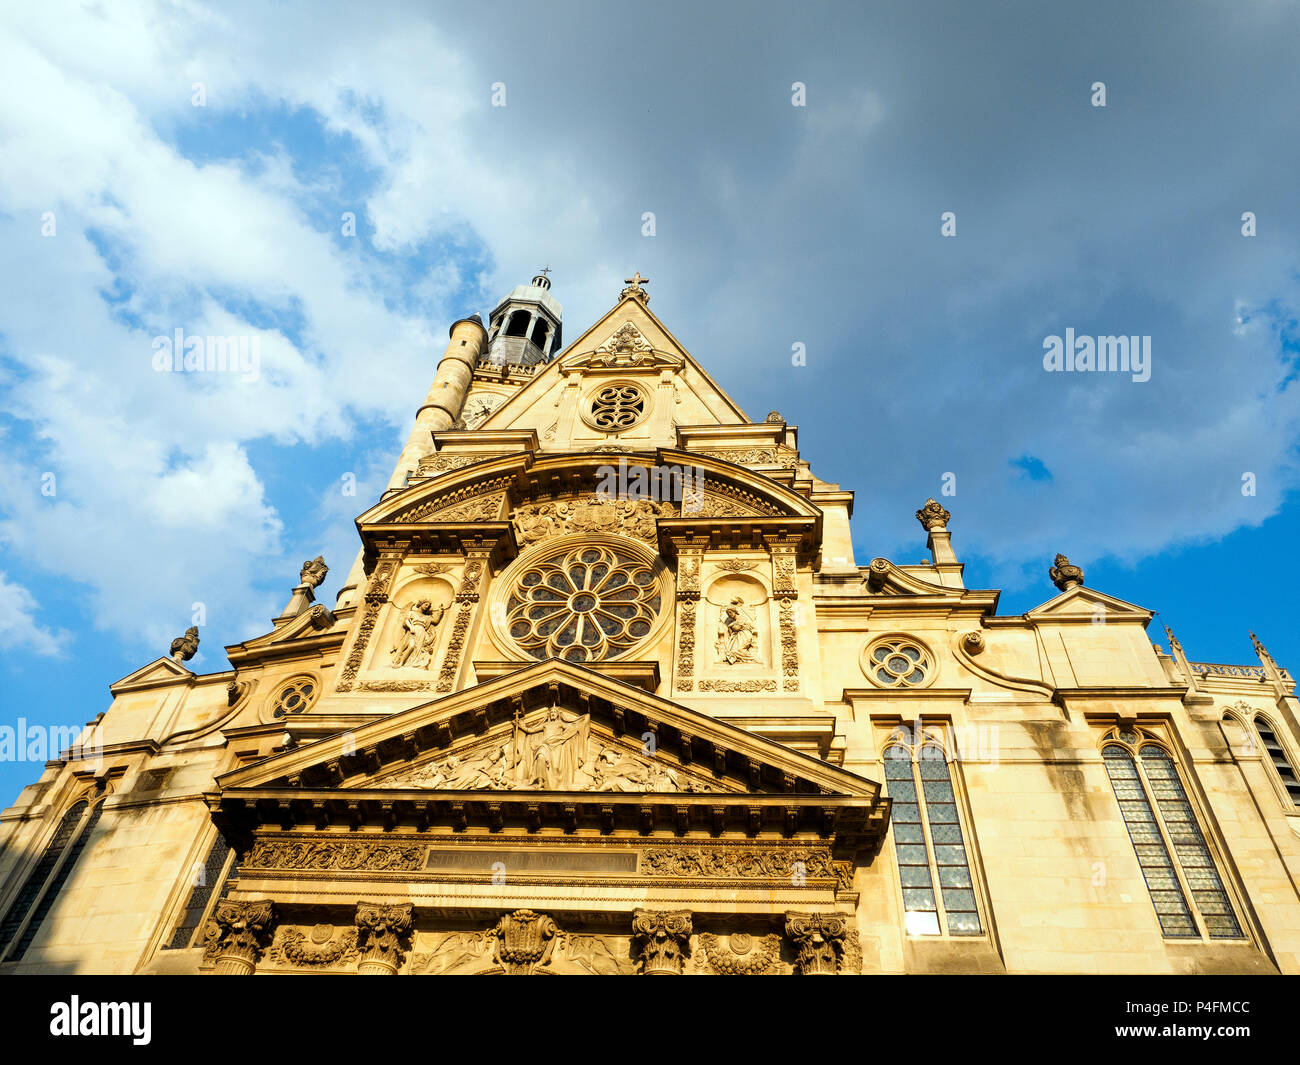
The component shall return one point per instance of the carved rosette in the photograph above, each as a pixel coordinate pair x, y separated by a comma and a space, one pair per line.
819, 941
383, 936
933, 516
237, 934
663, 941
376, 595
524, 942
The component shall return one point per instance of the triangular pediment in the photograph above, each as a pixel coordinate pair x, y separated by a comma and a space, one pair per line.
627, 343
552, 727
161, 671
1084, 604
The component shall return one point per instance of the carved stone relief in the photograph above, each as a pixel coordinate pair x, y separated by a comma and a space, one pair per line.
742, 954
536, 522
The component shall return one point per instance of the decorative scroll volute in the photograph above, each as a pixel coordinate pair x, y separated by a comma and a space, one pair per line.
818, 939
383, 935
524, 942
239, 932
663, 939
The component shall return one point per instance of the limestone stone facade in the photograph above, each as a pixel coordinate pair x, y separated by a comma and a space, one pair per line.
607, 692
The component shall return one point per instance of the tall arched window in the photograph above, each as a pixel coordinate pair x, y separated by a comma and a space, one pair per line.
75, 829
218, 869
933, 867
1275, 754
1171, 849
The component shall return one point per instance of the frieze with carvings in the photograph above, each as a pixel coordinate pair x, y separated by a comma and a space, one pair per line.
536, 522
550, 750
449, 952
753, 685
481, 498
440, 463
738, 863
334, 856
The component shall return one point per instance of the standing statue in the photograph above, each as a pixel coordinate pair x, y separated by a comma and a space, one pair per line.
183, 647
550, 753
313, 572
737, 634
415, 648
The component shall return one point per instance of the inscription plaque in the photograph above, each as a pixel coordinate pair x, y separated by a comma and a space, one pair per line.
519, 860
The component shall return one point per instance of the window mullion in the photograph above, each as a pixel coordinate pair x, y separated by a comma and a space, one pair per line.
931, 855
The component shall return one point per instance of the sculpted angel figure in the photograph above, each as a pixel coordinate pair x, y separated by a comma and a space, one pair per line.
550, 753
415, 647
737, 634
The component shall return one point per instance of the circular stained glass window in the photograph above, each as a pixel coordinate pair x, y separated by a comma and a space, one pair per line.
617, 407
584, 604
898, 662
294, 697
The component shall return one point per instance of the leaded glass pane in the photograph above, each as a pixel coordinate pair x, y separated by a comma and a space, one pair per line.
32, 886
1152, 855
1189, 843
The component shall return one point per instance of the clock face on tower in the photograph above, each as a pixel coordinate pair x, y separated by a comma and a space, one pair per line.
479, 408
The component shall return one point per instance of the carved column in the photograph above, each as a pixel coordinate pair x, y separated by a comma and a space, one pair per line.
690, 564
784, 553
383, 935
466, 603
818, 939
663, 940
376, 595
244, 931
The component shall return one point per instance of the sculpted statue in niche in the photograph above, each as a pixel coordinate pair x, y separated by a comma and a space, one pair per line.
414, 649
737, 633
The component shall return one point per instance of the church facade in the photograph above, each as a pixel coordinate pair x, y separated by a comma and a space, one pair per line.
607, 692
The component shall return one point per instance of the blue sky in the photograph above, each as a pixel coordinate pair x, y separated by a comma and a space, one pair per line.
775, 225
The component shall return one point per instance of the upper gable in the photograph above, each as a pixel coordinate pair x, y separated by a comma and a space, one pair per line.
625, 383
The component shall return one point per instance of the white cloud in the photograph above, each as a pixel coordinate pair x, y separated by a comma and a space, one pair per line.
19, 630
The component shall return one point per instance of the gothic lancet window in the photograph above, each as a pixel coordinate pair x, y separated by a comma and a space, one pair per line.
1275, 755
1171, 849
933, 866
210, 874
42, 889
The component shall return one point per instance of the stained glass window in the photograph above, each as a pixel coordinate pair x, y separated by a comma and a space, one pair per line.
36, 879
587, 604
1276, 755
929, 845
206, 882
1151, 797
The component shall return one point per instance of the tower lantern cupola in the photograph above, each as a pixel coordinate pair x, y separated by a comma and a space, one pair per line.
525, 327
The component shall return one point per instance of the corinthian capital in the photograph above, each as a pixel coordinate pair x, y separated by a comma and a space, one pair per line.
818, 939
383, 934
238, 933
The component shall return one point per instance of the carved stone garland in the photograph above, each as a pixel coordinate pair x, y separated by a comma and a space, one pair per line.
376, 595
383, 936
663, 939
742, 954
783, 550
467, 599
690, 561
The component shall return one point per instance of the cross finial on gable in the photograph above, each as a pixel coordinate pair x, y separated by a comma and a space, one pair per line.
634, 288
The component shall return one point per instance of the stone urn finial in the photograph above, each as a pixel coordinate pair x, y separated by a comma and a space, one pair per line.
183, 647
933, 516
1064, 575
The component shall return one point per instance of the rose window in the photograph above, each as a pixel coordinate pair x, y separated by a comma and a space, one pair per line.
617, 407
898, 662
294, 697
584, 605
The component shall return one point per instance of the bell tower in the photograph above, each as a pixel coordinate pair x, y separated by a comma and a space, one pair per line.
524, 329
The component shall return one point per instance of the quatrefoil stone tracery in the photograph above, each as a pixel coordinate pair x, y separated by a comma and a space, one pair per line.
584, 605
